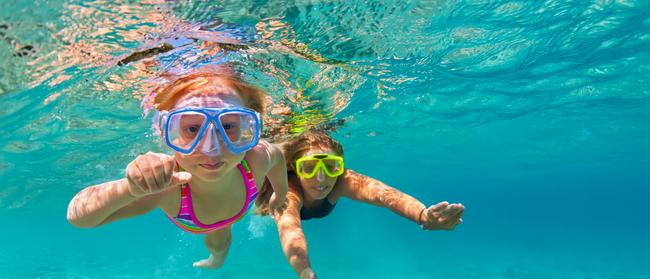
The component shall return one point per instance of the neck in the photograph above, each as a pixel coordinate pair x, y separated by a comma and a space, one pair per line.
309, 202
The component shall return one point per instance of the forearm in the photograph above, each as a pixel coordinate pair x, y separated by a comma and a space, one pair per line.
294, 247
366, 189
93, 205
292, 237
278, 178
400, 203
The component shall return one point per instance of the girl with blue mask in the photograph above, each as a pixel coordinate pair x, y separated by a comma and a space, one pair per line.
210, 120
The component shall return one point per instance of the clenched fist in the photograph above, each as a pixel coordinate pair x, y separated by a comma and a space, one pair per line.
152, 173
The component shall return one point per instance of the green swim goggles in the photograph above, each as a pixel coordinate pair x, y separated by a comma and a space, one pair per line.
308, 166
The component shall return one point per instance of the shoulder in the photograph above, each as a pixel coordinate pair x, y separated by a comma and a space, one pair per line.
259, 156
263, 152
262, 157
350, 182
351, 178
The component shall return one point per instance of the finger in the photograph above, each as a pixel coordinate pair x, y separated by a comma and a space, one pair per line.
138, 177
135, 178
437, 211
457, 217
437, 207
454, 218
158, 171
168, 169
449, 215
165, 169
451, 210
453, 225
159, 155
454, 221
458, 206
459, 214
448, 224
147, 175
182, 177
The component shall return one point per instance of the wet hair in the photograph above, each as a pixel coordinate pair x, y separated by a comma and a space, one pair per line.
293, 150
217, 78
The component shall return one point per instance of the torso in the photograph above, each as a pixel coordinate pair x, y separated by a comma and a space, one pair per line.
318, 210
322, 208
226, 203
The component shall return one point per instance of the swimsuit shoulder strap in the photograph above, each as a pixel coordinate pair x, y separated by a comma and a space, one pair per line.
249, 179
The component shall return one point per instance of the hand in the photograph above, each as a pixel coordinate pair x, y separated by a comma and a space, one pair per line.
152, 173
308, 273
276, 205
442, 216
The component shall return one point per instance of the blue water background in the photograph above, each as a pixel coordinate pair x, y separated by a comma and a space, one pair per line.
534, 115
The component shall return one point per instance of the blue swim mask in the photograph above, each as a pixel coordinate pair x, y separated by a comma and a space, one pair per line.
211, 130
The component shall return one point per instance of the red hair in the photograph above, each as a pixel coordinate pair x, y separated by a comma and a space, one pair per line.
166, 96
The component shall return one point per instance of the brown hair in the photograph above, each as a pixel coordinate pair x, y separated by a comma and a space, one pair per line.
294, 149
166, 96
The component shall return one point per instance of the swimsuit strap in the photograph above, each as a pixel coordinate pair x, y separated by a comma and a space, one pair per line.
249, 179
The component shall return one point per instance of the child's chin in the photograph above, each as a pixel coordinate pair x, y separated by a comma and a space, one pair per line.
208, 175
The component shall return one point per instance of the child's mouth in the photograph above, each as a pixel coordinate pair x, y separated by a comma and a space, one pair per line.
211, 166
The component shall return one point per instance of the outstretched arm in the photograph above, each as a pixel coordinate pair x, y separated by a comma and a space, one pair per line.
292, 238
277, 175
366, 189
146, 178
93, 205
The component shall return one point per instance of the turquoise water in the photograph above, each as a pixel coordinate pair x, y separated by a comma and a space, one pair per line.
533, 114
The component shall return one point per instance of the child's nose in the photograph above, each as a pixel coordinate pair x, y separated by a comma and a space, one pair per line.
210, 142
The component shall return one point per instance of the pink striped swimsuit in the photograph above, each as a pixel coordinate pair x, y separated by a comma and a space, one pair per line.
186, 219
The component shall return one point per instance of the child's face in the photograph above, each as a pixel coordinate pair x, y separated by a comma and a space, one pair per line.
319, 186
209, 168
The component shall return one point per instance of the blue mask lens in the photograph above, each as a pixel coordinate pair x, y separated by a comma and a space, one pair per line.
237, 129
